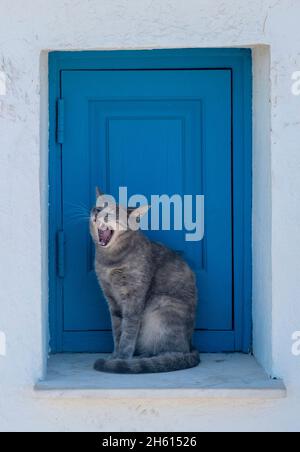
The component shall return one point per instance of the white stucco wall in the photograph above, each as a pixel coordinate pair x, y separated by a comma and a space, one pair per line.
28, 29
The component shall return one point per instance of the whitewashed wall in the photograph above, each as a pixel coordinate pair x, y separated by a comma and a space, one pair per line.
28, 29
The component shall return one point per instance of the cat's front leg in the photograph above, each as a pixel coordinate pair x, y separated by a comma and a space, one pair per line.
116, 322
130, 329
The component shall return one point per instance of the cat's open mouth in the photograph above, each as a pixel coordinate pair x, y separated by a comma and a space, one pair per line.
105, 236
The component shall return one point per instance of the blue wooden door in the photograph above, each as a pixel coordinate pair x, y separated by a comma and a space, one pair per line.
155, 132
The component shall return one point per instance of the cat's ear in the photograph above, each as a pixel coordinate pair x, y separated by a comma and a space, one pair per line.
98, 192
138, 212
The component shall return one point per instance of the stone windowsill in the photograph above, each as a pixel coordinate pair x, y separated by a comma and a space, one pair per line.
218, 376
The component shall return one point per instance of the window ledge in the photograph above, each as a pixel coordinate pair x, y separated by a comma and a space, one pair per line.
218, 376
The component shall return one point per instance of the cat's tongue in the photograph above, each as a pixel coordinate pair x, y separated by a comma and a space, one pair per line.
104, 236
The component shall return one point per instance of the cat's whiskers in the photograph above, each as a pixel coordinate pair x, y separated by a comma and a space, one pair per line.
77, 213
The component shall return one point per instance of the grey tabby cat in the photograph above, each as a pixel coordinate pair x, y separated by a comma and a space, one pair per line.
151, 293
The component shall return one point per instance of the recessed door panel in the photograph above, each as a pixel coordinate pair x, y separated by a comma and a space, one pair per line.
155, 132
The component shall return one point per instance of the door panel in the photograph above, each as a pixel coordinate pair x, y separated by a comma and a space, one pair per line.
155, 132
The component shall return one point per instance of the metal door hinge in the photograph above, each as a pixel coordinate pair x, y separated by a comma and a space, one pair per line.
61, 254
60, 127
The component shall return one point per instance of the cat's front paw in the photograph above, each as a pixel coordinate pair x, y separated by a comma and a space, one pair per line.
100, 365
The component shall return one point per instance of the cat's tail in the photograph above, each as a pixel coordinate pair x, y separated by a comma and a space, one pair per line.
165, 362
